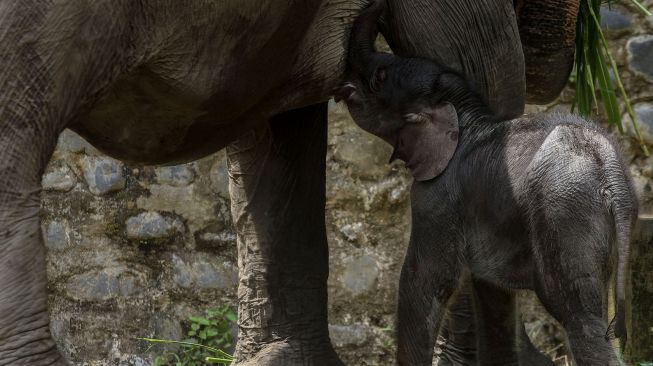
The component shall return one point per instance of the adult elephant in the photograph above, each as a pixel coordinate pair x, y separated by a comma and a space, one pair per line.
162, 82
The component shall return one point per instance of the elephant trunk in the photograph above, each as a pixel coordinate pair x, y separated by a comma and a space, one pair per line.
548, 35
363, 36
478, 38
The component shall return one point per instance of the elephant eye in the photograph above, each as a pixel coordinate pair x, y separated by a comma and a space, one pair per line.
377, 80
420, 117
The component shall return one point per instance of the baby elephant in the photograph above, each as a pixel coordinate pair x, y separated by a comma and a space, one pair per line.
539, 202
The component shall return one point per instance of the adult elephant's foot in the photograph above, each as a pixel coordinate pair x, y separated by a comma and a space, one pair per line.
25, 337
283, 318
31, 351
30, 344
278, 197
294, 353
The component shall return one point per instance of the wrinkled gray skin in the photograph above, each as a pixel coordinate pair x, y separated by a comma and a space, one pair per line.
539, 202
162, 82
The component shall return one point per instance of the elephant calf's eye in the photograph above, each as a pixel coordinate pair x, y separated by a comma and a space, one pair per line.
417, 117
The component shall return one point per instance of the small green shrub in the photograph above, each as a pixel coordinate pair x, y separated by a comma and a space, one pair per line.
207, 335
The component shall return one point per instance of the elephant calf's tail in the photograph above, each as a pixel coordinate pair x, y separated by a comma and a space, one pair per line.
624, 212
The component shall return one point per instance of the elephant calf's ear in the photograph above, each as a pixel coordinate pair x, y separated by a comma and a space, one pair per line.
428, 140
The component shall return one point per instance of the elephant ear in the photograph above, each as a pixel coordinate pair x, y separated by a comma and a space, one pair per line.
428, 140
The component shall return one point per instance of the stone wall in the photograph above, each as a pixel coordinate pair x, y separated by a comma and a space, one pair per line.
134, 250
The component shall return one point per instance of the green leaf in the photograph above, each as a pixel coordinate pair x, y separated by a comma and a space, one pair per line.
643, 10
607, 92
231, 316
199, 320
593, 62
211, 332
219, 360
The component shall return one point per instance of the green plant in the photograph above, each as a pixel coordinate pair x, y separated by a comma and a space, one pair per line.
594, 61
207, 337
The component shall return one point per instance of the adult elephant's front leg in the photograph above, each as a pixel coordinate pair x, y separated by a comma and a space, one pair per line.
278, 199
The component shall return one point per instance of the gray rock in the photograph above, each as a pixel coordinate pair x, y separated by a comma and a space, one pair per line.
104, 285
353, 232
647, 167
644, 116
220, 178
152, 225
367, 153
221, 238
649, 22
190, 202
181, 272
103, 175
348, 335
642, 188
69, 141
211, 276
177, 176
166, 327
360, 274
614, 21
203, 274
58, 328
56, 236
59, 179
134, 360
640, 54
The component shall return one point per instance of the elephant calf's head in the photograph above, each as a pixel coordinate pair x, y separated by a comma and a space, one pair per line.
401, 100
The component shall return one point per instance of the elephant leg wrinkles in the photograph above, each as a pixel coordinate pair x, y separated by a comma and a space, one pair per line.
278, 197
24, 322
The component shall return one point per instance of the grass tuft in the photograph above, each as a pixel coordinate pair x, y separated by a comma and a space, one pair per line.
594, 62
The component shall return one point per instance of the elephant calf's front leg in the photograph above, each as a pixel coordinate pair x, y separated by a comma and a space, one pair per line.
278, 199
429, 277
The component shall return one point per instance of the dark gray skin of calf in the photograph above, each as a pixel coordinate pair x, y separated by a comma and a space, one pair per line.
541, 202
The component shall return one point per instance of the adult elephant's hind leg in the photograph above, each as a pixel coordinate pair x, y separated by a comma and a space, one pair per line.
24, 322
278, 199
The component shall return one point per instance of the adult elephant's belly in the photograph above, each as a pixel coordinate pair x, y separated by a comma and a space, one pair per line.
211, 83
145, 119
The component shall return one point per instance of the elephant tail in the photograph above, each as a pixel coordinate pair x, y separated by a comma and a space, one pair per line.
624, 212
363, 35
